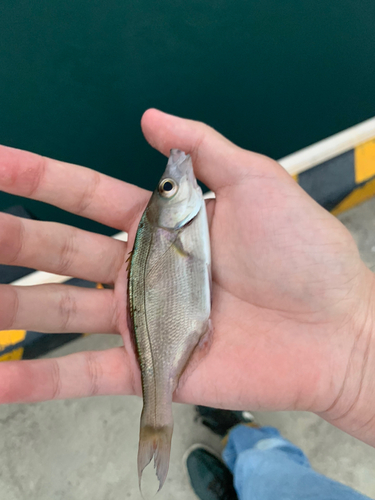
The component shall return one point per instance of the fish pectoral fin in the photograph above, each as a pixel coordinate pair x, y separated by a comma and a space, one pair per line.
177, 245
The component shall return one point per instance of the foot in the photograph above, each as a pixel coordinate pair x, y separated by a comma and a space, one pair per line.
221, 421
209, 476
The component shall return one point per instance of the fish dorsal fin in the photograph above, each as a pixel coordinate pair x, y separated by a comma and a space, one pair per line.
129, 261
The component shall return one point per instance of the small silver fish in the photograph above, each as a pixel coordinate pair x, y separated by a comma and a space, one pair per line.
169, 291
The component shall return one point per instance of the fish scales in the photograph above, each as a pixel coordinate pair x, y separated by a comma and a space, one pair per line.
169, 302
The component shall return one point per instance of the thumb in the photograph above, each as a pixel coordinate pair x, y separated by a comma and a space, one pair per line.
217, 161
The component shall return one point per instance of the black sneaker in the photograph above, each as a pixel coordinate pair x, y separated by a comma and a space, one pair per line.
220, 421
209, 476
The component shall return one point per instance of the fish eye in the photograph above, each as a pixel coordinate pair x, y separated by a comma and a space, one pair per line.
168, 188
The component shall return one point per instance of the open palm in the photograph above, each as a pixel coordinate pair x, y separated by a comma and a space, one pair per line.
290, 293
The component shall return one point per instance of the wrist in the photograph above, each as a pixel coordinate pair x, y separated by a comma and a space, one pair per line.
353, 407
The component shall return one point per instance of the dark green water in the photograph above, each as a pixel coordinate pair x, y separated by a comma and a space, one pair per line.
272, 75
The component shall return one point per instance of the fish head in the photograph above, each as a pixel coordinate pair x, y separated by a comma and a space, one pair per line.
177, 198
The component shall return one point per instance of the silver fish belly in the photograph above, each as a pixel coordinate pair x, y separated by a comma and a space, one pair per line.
169, 300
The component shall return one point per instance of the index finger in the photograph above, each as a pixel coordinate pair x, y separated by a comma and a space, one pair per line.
76, 189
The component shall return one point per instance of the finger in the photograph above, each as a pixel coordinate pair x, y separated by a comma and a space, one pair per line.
217, 161
76, 189
60, 249
75, 376
57, 309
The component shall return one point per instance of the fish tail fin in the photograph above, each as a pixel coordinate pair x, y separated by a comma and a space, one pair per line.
155, 442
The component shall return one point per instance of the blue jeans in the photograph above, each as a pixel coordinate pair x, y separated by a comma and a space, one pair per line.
265, 466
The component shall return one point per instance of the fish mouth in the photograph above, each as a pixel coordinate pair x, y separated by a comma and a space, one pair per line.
180, 163
176, 156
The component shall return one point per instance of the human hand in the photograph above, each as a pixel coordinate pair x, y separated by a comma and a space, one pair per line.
292, 300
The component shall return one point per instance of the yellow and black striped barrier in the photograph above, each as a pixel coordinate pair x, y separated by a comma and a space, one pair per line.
344, 181
338, 172
9, 339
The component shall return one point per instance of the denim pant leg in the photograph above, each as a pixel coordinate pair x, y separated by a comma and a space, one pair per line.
266, 466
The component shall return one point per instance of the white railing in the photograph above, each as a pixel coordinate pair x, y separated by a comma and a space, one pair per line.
329, 148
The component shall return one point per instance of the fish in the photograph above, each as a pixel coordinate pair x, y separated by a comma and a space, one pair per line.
169, 300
